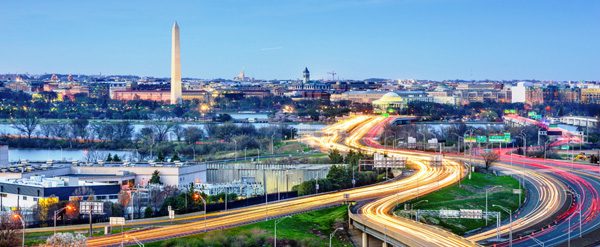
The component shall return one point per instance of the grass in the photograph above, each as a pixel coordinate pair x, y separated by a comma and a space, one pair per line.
471, 196
38, 238
306, 229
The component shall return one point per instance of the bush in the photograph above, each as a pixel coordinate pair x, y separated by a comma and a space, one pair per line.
66, 239
148, 212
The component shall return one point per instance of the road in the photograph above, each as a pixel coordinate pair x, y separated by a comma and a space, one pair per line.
548, 197
255, 213
562, 178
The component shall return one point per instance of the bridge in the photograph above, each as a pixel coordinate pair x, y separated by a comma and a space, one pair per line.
579, 121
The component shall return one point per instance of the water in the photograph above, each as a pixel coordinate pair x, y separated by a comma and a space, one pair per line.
17, 154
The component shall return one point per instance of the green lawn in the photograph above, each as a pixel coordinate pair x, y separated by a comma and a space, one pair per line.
37, 238
470, 196
306, 229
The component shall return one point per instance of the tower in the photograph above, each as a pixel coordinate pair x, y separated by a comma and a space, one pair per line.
175, 66
305, 75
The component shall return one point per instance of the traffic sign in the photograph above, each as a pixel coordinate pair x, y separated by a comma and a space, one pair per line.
88, 207
471, 214
117, 221
482, 139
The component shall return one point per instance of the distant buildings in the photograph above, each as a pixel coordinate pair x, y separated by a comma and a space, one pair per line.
398, 100
590, 95
518, 93
26, 193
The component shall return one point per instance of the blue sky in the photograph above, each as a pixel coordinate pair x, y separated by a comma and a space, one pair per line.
276, 39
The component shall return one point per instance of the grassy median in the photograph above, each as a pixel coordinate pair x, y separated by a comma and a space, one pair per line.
306, 229
470, 196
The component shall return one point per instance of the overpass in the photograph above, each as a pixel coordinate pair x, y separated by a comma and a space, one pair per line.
579, 121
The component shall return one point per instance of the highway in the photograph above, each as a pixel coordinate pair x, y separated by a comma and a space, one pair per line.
549, 196
255, 213
558, 179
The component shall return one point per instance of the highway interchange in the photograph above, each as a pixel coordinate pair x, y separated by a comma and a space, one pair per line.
550, 186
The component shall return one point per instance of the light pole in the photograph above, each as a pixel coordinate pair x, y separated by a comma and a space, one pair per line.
277, 222
198, 196
332, 234
423, 139
18, 216
486, 202
579, 205
56, 212
272, 145
458, 142
235, 149
510, 226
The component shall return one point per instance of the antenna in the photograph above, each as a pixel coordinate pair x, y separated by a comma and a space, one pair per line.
332, 73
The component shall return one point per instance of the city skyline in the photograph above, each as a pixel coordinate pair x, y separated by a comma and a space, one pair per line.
358, 39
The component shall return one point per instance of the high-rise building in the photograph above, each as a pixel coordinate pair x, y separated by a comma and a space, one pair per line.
175, 66
518, 93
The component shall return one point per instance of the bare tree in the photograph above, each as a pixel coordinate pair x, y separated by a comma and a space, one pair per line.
490, 157
162, 130
46, 130
26, 125
9, 228
179, 132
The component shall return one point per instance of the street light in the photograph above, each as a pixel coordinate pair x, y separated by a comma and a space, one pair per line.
196, 197
56, 212
333, 233
510, 226
486, 201
18, 216
277, 222
458, 142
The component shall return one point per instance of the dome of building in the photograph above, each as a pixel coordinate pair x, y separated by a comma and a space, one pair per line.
390, 95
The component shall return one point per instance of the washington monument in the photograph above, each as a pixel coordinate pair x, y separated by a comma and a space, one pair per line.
175, 66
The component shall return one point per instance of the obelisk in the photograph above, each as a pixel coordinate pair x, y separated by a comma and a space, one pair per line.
175, 66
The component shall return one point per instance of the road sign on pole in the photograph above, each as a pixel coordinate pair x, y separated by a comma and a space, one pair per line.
117, 221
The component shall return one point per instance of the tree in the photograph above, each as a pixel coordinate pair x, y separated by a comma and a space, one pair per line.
148, 212
9, 235
79, 127
109, 158
155, 179
162, 131
490, 157
193, 134
335, 157
179, 132
160, 157
46, 130
116, 158
26, 125
175, 157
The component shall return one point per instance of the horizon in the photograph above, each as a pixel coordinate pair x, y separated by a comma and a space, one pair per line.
437, 39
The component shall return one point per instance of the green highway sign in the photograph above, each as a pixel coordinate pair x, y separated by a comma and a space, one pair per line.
470, 139
482, 139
